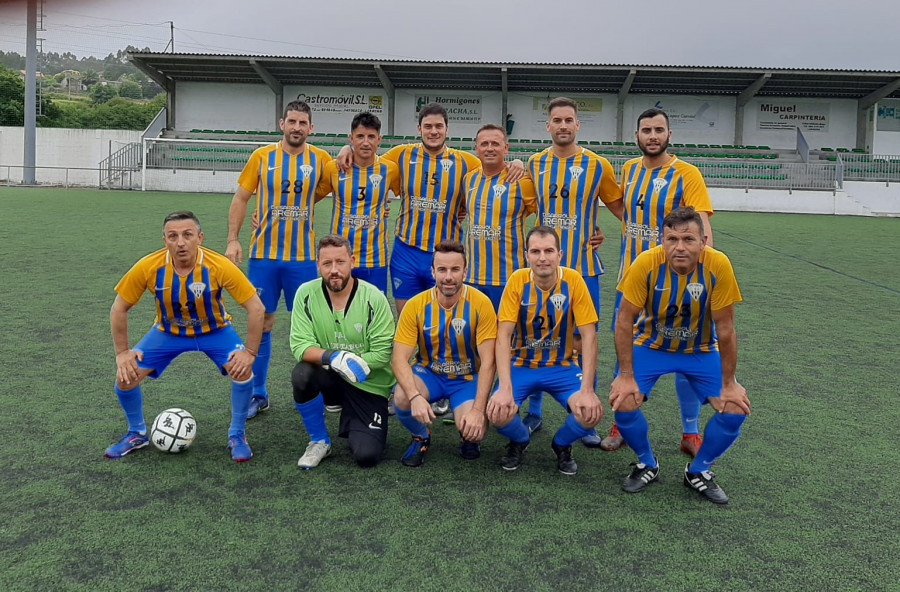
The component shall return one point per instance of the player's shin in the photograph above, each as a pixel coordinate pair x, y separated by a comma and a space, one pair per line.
690, 405
313, 414
570, 432
721, 433
261, 366
416, 427
634, 428
132, 402
240, 403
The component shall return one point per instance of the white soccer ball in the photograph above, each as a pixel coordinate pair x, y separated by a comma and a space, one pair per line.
173, 430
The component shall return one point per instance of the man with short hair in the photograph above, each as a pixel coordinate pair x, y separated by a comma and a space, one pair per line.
361, 198
187, 281
341, 333
451, 329
284, 177
654, 185
677, 315
571, 181
539, 312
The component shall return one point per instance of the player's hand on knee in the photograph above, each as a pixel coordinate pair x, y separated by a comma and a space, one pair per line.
420, 407
240, 365
127, 367
473, 425
624, 394
349, 365
501, 407
586, 408
732, 400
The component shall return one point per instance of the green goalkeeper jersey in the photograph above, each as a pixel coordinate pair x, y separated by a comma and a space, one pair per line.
365, 327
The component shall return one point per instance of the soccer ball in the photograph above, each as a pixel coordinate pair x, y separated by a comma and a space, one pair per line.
173, 430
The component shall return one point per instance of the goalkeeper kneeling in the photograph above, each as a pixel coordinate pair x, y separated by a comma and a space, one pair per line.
342, 332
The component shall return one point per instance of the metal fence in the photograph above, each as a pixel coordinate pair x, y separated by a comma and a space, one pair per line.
871, 167
52, 176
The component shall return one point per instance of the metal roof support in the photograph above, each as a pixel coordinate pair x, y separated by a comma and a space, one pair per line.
504, 97
275, 85
165, 83
863, 106
389, 89
620, 104
742, 100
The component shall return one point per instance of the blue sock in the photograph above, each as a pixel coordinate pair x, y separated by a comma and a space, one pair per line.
515, 430
690, 405
261, 366
536, 404
132, 403
240, 402
313, 414
570, 432
721, 432
416, 427
634, 428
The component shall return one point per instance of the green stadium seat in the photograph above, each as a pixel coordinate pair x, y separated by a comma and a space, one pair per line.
843, 150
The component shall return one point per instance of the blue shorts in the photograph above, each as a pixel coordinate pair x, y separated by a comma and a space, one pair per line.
593, 286
703, 371
377, 276
440, 386
410, 270
495, 293
161, 348
272, 277
561, 382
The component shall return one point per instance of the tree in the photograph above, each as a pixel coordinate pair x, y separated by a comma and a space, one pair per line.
102, 93
90, 77
130, 90
12, 98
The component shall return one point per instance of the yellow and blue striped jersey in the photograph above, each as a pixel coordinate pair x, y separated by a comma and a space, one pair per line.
448, 339
432, 192
285, 188
569, 191
545, 322
676, 310
650, 195
496, 211
360, 198
187, 305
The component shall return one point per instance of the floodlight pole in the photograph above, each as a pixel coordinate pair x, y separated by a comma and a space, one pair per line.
28, 176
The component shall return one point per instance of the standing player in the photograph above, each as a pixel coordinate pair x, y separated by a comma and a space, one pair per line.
284, 177
496, 210
187, 281
677, 315
653, 186
540, 310
341, 333
360, 199
571, 181
454, 328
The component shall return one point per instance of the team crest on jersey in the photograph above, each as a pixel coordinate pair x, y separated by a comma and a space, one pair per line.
197, 289
458, 325
658, 185
558, 300
358, 327
576, 172
397, 282
446, 164
695, 290
306, 169
499, 190
375, 180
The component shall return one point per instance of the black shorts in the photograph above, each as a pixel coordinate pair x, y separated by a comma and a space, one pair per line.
362, 411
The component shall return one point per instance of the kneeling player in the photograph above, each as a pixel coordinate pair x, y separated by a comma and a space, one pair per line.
341, 332
454, 327
677, 315
187, 281
539, 312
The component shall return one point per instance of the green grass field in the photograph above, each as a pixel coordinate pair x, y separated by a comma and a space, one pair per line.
813, 480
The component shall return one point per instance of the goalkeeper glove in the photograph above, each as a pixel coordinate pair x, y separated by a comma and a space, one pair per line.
350, 366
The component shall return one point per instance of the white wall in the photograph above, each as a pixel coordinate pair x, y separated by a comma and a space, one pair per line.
693, 119
597, 114
334, 108
857, 199
886, 137
65, 150
839, 122
208, 105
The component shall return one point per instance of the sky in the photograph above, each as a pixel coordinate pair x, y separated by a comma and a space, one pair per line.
857, 35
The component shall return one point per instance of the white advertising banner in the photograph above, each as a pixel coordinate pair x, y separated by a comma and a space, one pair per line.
888, 118
688, 113
589, 108
341, 102
460, 108
783, 115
